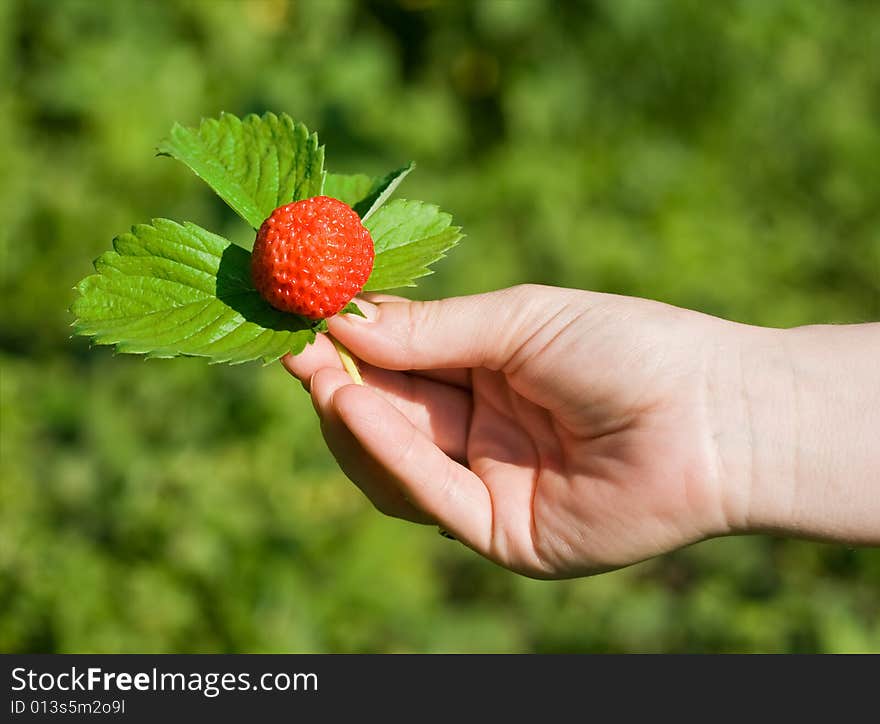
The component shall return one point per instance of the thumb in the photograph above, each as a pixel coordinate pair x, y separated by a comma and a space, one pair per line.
483, 330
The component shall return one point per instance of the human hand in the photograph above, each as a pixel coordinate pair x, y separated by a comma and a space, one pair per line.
556, 432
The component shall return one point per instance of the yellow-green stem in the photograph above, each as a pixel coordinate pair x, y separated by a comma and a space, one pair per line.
348, 361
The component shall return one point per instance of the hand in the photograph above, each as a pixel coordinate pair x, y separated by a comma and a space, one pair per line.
557, 432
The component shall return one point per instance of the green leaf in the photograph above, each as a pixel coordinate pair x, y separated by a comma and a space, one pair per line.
169, 290
381, 192
365, 194
255, 165
349, 188
352, 308
408, 237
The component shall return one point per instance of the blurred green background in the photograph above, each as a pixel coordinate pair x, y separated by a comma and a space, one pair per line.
720, 156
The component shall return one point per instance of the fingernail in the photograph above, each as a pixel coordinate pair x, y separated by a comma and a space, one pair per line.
369, 310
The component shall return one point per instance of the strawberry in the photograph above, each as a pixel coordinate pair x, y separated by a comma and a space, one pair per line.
311, 257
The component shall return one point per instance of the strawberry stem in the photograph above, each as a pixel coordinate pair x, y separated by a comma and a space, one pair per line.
348, 361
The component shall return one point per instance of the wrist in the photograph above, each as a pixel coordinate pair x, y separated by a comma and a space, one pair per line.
797, 431
755, 427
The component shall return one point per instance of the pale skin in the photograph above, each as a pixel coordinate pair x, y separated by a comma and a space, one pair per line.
563, 433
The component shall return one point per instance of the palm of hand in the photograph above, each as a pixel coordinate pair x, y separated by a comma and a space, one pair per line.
599, 480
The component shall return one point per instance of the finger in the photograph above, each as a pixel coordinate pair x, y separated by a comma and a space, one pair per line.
446, 491
318, 355
476, 331
321, 353
356, 463
441, 412
377, 297
458, 377
324, 384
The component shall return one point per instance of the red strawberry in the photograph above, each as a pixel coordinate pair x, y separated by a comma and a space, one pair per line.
311, 257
